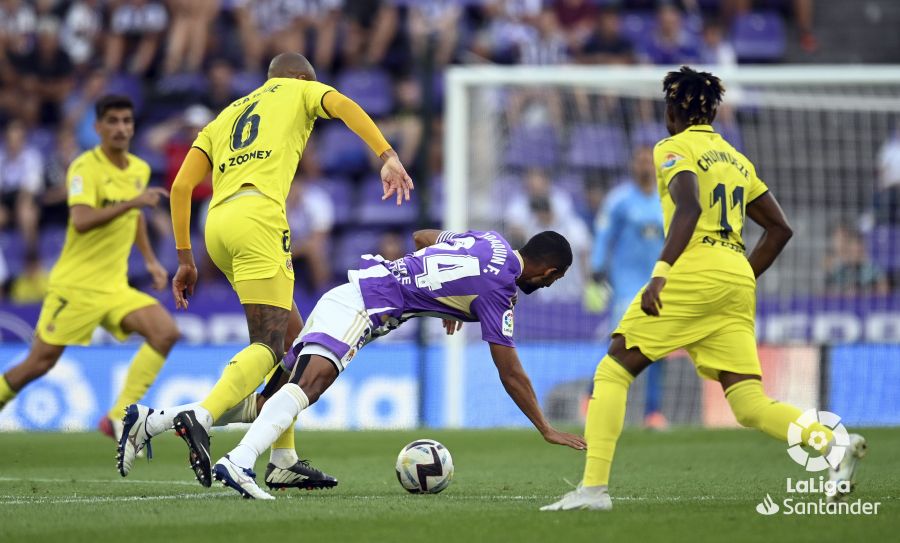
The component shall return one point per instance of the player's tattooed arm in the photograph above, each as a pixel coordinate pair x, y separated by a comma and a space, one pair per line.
518, 386
425, 238
685, 192
766, 212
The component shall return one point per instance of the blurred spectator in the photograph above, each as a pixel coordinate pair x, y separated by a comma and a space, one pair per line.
310, 214
30, 286
510, 25
606, 44
79, 108
46, 72
54, 208
438, 20
21, 178
548, 46
887, 199
848, 268
188, 33
173, 139
802, 12
392, 245
404, 129
577, 18
135, 35
369, 29
519, 215
220, 91
81, 35
274, 27
715, 49
671, 43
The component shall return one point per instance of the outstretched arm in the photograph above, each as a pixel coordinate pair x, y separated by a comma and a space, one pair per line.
518, 386
393, 175
194, 169
766, 212
684, 191
157, 272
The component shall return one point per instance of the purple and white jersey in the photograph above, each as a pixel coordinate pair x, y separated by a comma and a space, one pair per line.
468, 277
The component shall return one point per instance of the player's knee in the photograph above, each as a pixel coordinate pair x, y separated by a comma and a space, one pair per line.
40, 364
166, 337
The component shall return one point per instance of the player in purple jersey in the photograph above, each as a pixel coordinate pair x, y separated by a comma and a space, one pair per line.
468, 277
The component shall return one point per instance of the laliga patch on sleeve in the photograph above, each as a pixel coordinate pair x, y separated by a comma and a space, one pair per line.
76, 186
671, 159
508, 323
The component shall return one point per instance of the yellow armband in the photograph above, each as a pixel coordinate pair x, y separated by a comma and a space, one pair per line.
194, 169
661, 269
340, 107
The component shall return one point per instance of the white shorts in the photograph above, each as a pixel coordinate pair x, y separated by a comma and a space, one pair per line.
336, 329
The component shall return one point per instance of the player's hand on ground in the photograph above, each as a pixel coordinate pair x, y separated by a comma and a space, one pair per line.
158, 275
183, 284
562, 438
151, 196
650, 301
395, 180
452, 326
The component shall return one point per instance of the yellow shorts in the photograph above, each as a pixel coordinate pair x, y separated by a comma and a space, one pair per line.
248, 238
69, 317
711, 318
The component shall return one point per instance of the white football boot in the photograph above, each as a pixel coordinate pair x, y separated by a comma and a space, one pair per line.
134, 437
596, 499
846, 470
241, 479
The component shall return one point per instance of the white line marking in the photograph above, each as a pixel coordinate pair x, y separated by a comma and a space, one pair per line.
96, 481
43, 500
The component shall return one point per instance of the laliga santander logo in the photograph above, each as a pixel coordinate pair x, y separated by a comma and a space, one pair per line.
817, 440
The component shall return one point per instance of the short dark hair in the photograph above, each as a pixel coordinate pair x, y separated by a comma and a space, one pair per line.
548, 248
694, 96
112, 101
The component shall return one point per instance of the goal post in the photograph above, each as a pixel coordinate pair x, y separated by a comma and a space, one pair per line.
828, 312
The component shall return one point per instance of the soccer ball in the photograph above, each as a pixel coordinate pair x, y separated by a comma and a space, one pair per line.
424, 467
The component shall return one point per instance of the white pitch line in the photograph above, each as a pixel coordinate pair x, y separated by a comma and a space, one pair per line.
96, 481
22, 500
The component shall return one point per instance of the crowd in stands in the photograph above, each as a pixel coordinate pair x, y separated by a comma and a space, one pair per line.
181, 61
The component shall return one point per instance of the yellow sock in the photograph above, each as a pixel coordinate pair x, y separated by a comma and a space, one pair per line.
6, 392
605, 418
752, 408
239, 378
143, 370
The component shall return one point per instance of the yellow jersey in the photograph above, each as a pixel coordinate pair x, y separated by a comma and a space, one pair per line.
727, 182
258, 139
97, 260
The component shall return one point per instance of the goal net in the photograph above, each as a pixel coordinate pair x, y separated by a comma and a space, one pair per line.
530, 149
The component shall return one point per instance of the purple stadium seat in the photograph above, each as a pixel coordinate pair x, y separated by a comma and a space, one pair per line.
128, 85
884, 245
349, 246
50, 243
597, 146
647, 134
436, 199
572, 183
759, 36
343, 195
340, 151
532, 147
637, 27
157, 161
245, 82
13, 249
371, 88
371, 209
731, 132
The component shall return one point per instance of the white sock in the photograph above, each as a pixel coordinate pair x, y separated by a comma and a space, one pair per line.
277, 414
283, 458
242, 412
164, 419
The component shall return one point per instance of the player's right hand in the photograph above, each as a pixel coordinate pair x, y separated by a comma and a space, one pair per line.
452, 326
650, 301
151, 196
562, 438
183, 284
395, 180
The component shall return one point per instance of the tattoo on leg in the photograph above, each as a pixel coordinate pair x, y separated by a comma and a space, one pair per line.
267, 325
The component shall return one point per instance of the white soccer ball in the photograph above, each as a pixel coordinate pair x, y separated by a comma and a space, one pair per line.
424, 467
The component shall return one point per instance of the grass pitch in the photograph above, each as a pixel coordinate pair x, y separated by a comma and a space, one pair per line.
682, 485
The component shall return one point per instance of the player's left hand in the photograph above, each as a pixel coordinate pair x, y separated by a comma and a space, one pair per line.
452, 326
562, 438
395, 180
650, 301
158, 275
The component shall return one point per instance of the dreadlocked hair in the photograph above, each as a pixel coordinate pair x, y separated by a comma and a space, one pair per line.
694, 96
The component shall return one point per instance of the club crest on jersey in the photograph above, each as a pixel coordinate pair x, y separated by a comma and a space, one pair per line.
76, 186
671, 159
508, 323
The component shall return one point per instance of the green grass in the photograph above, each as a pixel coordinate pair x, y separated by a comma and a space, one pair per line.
683, 485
